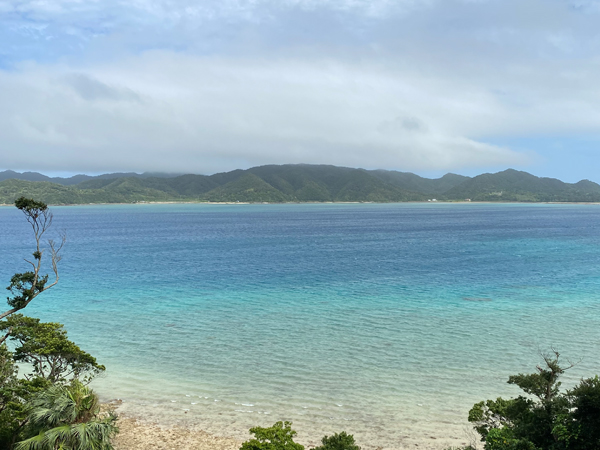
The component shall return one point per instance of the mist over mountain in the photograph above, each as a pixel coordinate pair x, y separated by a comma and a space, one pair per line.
293, 183
76, 179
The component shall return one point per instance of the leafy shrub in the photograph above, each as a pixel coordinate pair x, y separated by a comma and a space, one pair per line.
340, 441
545, 419
68, 417
278, 437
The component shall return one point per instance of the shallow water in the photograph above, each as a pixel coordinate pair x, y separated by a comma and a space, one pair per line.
381, 320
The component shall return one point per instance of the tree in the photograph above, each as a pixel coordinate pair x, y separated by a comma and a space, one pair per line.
69, 418
45, 346
545, 419
340, 441
26, 286
278, 437
15, 394
582, 426
41, 405
11, 408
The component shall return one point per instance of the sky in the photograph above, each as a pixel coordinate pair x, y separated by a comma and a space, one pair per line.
189, 86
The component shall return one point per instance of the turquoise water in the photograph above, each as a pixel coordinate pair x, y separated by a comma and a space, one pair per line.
388, 321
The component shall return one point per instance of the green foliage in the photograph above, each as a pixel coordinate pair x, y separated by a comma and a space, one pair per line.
15, 394
24, 287
544, 383
246, 188
30, 206
499, 413
341, 441
12, 412
54, 360
39, 408
46, 347
69, 418
280, 436
583, 425
305, 183
516, 186
551, 420
504, 439
119, 191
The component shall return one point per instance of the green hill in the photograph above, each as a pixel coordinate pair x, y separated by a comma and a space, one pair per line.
309, 183
412, 182
513, 185
35, 176
296, 183
246, 188
125, 191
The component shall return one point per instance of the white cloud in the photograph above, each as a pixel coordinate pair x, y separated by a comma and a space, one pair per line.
164, 111
412, 85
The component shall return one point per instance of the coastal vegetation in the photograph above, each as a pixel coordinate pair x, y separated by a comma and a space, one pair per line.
48, 351
45, 404
341, 441
280, 436
68, 417
294, 183
544, 417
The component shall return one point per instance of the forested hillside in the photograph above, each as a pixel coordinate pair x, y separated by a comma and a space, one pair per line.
294, 183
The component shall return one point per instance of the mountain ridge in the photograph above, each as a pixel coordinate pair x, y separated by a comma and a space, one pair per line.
294, 183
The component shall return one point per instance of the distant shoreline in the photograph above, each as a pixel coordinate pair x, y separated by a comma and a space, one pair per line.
297, 183
317, 203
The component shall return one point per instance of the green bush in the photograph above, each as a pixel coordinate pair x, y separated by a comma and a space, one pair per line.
545, 418
68, 417
278, 437
340, 441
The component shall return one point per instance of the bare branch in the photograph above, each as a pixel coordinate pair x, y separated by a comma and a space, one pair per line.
6, 336
9, 312
27, 286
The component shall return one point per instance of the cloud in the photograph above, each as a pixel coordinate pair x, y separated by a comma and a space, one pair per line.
88, 88
182, 86
164, 111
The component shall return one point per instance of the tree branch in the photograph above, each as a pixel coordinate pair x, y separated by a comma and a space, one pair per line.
29, 285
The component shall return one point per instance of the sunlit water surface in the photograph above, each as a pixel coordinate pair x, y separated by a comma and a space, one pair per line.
387, 321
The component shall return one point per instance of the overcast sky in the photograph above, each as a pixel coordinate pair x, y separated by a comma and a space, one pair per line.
202, 86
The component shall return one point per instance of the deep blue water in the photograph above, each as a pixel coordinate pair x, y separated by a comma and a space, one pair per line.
403, 314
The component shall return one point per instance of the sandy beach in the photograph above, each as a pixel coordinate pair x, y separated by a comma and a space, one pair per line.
138, 433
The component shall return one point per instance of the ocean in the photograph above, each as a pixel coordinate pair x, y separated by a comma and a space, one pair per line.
388, 321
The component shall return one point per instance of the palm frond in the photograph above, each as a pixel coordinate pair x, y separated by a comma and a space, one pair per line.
68, 419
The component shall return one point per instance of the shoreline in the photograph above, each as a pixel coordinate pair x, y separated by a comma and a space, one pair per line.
449, 202
137, 432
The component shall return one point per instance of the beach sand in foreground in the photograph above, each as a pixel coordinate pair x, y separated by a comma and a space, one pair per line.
139, 434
